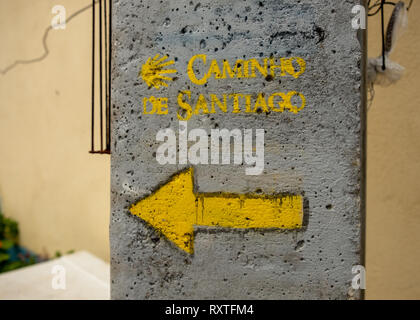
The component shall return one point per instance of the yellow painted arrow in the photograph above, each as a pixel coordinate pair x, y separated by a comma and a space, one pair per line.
174, 209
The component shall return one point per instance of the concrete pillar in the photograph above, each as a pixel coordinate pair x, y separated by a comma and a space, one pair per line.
280, 214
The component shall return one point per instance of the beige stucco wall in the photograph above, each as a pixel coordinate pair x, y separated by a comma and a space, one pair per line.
393, 175
60, 193
49, 182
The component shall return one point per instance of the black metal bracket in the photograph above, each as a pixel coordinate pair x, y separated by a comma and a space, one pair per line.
104, 74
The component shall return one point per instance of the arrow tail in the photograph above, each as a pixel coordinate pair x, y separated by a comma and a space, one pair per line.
245, 211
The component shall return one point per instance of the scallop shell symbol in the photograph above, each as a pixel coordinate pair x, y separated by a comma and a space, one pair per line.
153, 72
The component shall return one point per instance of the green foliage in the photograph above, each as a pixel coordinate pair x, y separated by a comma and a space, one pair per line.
9, 229
4, 257
10, 258
58, 254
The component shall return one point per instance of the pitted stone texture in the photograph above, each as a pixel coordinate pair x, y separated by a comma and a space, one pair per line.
316, 153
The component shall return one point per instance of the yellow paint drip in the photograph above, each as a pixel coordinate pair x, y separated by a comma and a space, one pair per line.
174, 209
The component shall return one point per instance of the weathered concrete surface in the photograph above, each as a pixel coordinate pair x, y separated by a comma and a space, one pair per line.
316, 153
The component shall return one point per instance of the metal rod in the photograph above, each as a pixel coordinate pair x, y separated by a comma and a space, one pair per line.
100, 73
109, 74
92, 149
383, 35
106, 80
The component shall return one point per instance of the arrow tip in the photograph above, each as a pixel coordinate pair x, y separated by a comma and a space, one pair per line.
171, 210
